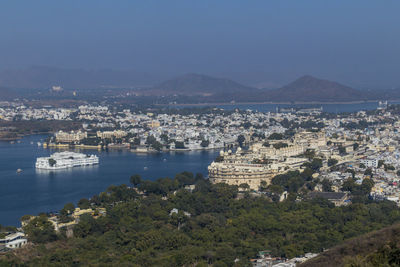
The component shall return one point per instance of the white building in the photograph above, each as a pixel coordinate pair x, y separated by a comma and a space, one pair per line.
15, 240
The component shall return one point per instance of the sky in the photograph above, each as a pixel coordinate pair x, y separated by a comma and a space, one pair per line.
256, 42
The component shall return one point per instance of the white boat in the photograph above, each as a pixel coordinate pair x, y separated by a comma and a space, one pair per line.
39, 144
19, 170
64, 160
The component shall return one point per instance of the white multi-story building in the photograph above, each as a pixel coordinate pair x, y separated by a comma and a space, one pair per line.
15, 240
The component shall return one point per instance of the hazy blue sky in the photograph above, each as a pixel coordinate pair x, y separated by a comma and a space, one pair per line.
357, 42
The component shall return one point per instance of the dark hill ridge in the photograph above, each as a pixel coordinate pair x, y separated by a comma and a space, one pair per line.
45, 77
198, 84
189, 88
304, 89
358, 248
6, 94
309, 88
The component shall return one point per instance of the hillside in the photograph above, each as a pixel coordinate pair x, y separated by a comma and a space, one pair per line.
197, 84
309, 88
160, 223
45, 77
368, 250
6, 94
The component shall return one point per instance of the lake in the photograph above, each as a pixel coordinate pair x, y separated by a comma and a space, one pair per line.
32, 191
326, 107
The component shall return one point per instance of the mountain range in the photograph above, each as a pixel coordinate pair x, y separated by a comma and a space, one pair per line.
305, 89
198, 84
188, 88
46, 77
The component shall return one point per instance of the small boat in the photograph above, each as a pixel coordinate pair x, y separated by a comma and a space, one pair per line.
31, 143
39, 144
12, 142
145, 168
18, 141
164, 159
19, 170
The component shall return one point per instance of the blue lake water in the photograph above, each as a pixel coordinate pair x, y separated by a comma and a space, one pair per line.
331, 108
32, 192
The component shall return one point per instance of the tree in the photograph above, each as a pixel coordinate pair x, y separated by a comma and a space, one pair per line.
241, 140
355, 146
326, 185
381, 162
342, 150
275, 136
389, 167
368, 172
66, 211
136, 180
84, 203
315, 164
87, 225
367, 185
179, 145
310, 153
157, 146
52, 162
332, 162
40, 230
280, 145
150, 139
204, 143
69, 208
244, 186
263, 185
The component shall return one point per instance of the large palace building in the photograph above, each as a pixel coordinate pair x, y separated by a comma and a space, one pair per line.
263, 161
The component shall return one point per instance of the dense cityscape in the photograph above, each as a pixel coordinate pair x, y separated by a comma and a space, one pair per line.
290, 154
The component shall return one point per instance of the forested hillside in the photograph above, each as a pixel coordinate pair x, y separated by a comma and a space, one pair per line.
213, 224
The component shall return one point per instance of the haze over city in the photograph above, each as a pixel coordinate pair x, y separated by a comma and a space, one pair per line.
262, 43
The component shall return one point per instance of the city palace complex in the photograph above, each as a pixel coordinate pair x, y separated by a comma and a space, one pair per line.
341, 150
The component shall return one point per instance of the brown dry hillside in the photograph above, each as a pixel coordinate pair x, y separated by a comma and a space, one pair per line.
360, 246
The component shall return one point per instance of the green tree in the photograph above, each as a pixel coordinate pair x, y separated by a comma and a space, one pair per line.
332, 162
326, 185
204, 143
241, 140
40, 230
136, 180
52, 162
244, 186
84, 203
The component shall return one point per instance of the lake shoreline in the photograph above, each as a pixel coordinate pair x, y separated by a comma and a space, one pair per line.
277, 103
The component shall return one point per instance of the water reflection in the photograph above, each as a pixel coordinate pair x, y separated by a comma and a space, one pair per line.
89, 168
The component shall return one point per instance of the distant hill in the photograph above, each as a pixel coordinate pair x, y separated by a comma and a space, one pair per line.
364, 249
305, 89
6, 94
198, 84
309, 88
46, 77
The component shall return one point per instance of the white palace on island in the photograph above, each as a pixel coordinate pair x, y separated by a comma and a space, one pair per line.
64, 160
